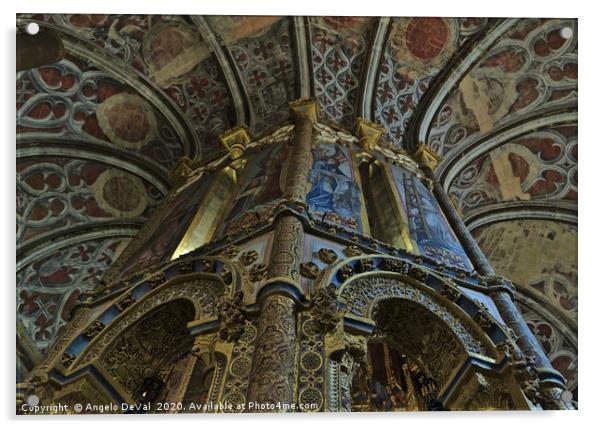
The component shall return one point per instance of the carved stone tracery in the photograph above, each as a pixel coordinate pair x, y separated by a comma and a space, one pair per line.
145, 346
272, 377
203, 294
325, 308
279, 349
232, 317
363, 293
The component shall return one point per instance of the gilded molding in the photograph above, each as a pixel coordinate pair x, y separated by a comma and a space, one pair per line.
232, 317
306, 108
369, 134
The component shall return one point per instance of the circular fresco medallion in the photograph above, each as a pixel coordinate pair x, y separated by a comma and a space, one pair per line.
120, 193
426, 37
423, 45
127, 120
172, 50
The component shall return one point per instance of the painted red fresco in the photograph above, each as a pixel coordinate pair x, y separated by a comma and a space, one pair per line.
426, 37
129, 121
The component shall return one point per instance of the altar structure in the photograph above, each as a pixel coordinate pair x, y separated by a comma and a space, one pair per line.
310, 269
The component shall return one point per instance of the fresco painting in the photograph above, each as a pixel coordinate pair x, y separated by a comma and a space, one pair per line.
260, 187
166, 237
428, 226
334, 194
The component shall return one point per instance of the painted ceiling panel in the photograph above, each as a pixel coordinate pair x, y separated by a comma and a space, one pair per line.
182, 64
169, 52
261, 48
92, 161
417, 49
338, 49
60, 193
541, 258
206, 101
73, 100
163, 47
48, 288
539, 255
121, 35
530, 68
538, 166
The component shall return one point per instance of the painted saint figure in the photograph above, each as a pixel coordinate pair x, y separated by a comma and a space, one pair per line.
333, 190
262, 182
428, 226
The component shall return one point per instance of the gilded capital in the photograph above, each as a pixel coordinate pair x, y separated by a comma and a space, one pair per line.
368, 132
236, 140
306, 107
426, 157
182, 171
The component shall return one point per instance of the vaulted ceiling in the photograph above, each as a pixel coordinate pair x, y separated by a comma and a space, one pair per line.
99, 132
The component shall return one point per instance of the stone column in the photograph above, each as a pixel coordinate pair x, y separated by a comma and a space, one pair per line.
551, 379
305, 113
273, 375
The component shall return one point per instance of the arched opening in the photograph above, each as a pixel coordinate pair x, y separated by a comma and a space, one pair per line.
147, 357
410, 358
423, 346
391, 381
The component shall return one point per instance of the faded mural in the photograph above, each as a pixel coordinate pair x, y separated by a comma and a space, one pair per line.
541, 258
165, 238
260, 187
334, 194
428, 226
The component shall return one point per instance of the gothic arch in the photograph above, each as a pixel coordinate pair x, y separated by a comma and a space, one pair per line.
365, 296
428, 319
152, 341
362, 282
201, 281
151, 328
200, 292
419, 333
393, 303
